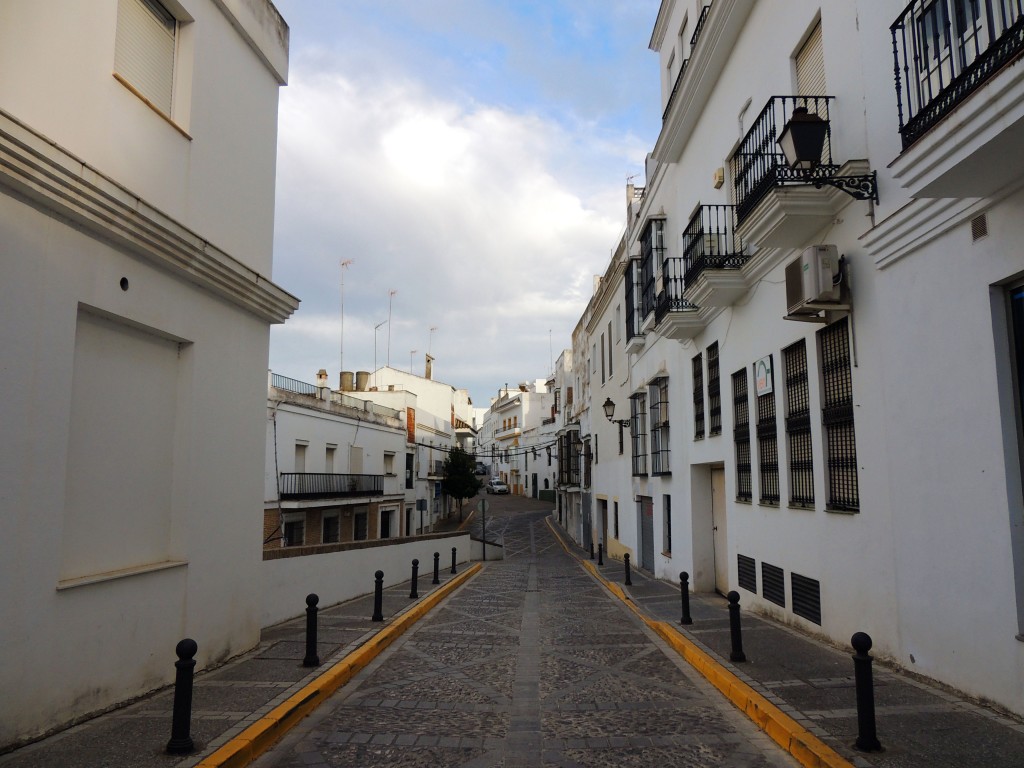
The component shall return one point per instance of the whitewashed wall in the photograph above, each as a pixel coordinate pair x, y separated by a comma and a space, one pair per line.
339, 576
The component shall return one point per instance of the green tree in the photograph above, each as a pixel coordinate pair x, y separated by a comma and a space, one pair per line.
460, 480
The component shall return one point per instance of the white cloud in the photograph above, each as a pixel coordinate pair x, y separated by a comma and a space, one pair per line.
489, 223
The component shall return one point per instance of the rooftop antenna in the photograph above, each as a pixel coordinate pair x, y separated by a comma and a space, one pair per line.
341, 346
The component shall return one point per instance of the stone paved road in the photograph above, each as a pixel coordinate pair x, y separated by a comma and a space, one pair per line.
530, 664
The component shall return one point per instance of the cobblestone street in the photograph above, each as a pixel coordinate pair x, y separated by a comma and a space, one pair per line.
529, 664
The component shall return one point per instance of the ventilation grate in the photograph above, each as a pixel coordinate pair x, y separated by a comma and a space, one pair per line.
773, 583
979, 227
806, 597
747, 569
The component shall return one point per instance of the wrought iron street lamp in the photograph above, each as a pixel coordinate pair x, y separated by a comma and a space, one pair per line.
802, 141
609, 412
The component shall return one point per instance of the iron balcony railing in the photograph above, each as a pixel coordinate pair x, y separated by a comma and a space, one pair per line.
326, 485
944, 50
671, 297
700, 25
759, 165
292, 385
675, 89
710, 242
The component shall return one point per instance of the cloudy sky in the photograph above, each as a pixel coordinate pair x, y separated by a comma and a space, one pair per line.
470, 155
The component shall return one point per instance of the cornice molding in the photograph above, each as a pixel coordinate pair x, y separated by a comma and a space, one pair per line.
64, 186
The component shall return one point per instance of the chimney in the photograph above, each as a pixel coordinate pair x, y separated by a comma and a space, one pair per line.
429, 368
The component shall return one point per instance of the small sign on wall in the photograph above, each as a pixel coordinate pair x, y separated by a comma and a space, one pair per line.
763, 375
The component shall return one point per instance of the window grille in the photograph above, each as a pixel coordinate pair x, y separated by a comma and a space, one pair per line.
837, 417
638, 433
798, 426
714, 392
659, 427
768, 448
741, 435
698, 397
773, 584
652, 253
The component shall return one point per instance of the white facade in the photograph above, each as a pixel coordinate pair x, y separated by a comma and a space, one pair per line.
844, 469
515, 435
136, 306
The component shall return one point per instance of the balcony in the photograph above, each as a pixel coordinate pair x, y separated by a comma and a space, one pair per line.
296, 486
712, 258
714, 39
952, 57
676, 317
776, 206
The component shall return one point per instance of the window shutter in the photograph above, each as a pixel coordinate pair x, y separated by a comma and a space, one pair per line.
810, 66
144, 51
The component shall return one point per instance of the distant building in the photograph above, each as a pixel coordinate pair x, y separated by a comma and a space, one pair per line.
137, 162
516, 434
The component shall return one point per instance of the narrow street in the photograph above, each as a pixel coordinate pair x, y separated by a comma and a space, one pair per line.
530, 664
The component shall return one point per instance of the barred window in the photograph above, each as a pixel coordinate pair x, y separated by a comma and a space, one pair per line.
768, 446
698, 397
714, 392
638, 433
741, 435
798, 426
837, 417
658, 397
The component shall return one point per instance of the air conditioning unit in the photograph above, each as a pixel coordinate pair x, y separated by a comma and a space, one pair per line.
812, 279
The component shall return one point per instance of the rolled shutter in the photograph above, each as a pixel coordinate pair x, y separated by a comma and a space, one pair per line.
810, 66
144, 51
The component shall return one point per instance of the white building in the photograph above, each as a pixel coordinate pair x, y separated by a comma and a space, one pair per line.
845, 450
517, 431
332, 470
137, 162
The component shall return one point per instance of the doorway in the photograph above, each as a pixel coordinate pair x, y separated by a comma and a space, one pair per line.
719, 531
646, 504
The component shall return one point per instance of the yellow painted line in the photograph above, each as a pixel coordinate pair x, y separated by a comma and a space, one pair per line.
808, 749
268, 730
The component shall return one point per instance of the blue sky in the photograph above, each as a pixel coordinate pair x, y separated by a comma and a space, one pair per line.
470, 155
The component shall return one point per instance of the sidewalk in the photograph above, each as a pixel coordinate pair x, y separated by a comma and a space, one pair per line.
917, 724
232, 697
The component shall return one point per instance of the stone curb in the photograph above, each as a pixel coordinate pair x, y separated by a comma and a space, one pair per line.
808, 750
268, 730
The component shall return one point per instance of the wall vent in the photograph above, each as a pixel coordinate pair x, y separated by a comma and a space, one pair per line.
806, 597
747, 570
773, 583
979, 227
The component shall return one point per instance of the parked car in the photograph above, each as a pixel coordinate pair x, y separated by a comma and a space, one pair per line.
496, 486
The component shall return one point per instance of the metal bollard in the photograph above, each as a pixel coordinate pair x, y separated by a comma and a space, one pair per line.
867, 738
600, 553
437, 559
684, 589
312, 658
378, 596
625, 559
414, 591
591, 549
735, 633
453, 559
181, 741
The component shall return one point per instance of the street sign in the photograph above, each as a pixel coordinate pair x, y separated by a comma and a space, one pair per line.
482, 506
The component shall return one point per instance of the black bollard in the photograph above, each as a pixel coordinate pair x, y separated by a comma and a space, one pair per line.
625, 559
312, 658
181, 741
735, 633
453, 559
591, 549
414, 590
867, 738
600, 553
684, 589
437, 560
378, 596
